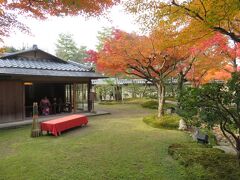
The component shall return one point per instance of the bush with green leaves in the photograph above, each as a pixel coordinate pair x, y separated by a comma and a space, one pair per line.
166, 121
153, 104
203, 162
215, 104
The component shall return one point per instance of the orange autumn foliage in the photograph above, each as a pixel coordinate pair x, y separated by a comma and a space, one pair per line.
146, 57
218, 62
131, 53
43, 8
199, 17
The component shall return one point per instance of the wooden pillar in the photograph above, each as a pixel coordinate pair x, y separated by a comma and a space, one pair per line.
89, 87
74, 97
70, 95
23, 102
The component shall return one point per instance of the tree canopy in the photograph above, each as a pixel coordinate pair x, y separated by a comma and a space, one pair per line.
197, 18
216, 104
41, 9
142, 56
66, 47
102, 36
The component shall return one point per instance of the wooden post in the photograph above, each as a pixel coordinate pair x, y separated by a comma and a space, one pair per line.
89, 98
23, 102
35, 132
71, 97
74, 97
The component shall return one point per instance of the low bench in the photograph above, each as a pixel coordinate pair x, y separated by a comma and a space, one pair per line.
56, 126
201, 137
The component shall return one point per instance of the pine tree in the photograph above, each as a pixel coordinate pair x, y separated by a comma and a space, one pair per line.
66, 47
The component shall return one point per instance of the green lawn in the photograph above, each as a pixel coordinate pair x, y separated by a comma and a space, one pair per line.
116, 146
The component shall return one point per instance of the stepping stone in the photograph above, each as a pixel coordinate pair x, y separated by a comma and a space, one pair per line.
226, 149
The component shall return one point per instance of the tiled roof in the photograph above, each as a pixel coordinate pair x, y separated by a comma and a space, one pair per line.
44, 64
48, 73
120, 81
35, 62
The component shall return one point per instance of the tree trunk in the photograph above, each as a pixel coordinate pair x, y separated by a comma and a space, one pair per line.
161, 95
235, 65
118, 93
172, 87
144, 90
180, 84
238, 149
180, 87
133, 90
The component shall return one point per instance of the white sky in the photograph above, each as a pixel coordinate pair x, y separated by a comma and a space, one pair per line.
45, 33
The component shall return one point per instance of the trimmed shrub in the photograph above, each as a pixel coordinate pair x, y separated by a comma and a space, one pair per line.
125, 101
110, 102
204, 162
153, 104
167, 121
135, 100
170, 98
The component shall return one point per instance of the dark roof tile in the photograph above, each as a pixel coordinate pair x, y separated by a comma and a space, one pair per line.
29, 63
21, 64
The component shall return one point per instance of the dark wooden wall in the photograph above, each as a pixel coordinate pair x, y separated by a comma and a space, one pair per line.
11, 101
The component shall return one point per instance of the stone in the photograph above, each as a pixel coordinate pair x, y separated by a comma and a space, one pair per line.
182, 125
170, 110
227, 149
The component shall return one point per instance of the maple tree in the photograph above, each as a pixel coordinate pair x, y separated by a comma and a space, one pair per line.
214, 103
196, 62
142, 56
195, 24
229, 51
41, 9
197, 17
92, 56
218, 62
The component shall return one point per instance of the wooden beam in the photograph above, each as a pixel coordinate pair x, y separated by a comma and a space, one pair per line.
89, 87
74, 97
23, 103
71, 97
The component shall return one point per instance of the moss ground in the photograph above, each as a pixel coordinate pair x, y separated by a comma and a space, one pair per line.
116, 146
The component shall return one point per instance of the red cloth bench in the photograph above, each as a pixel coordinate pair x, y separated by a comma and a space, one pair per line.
56, 126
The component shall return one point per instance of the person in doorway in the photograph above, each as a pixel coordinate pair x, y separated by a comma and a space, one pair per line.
54, 106
45, 106
60, 105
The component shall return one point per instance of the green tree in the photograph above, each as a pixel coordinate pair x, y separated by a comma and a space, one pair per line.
216, 104
81, 54
9, 49
102, 36
66, 47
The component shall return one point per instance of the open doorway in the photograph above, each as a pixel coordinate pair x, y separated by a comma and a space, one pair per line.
60, 96
55, 93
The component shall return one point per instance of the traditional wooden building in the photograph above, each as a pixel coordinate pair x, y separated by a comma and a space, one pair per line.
30, 75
